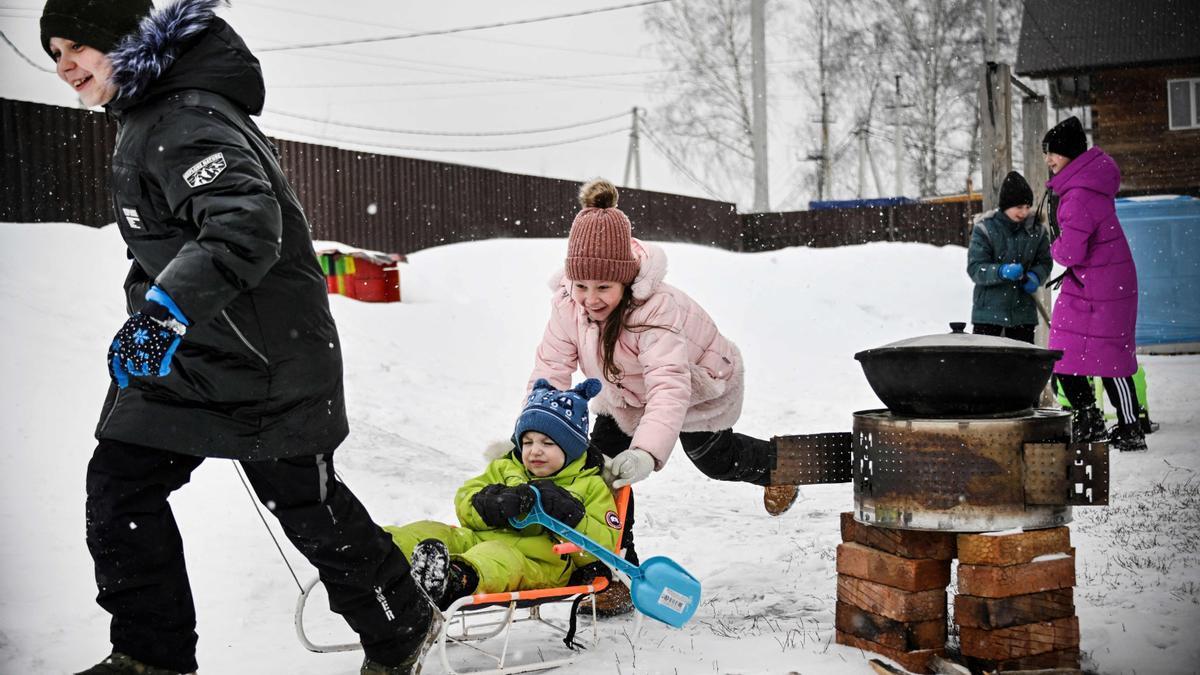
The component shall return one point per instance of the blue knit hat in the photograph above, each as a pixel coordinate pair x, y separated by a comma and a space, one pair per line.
561, 415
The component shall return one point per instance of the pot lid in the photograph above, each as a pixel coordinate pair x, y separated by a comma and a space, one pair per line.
959, 339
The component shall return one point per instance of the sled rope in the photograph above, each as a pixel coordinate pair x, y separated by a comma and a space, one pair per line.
258, 510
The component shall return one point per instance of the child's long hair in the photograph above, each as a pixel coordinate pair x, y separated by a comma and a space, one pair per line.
611, 331
602, 194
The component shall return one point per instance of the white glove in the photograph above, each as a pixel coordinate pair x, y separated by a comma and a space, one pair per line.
628, 467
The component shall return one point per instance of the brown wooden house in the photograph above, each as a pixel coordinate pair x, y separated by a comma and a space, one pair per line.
1137, 66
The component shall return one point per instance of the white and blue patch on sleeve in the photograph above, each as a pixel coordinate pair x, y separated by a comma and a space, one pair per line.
205, 171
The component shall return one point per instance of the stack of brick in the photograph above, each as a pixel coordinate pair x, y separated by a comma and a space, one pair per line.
891, 591
1015, 606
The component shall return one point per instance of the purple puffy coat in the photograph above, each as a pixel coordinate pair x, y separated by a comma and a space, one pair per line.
1096, 310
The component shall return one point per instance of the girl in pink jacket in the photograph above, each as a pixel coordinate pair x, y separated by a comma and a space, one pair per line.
669, 373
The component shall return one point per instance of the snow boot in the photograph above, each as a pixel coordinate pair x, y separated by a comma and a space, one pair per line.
461, 580
1148, 426
1128, 438
443, 580
1087, 425
412, 664
120, 664
612, 601
777, 499
430, 567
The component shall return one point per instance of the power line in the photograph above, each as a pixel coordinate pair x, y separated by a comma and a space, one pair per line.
432, 83
422, 132
954, 155
463, 29
376, 60
420, 148
21, 54
290, 10
679, 165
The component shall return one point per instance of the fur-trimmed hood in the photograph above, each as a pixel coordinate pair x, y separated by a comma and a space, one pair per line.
184, 45
652, 269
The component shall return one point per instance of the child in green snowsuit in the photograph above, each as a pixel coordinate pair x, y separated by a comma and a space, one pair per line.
485, 554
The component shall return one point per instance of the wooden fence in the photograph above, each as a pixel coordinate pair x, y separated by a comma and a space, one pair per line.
55, 168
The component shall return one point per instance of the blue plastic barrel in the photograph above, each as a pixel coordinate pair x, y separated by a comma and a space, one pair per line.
1164, 234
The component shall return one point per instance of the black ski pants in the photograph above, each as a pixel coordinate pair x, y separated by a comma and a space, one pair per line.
143, 582
720, 455
1121, 391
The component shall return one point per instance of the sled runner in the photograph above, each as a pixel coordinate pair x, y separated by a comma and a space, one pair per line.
472, 622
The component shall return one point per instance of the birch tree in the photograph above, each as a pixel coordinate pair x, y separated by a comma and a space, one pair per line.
705, 122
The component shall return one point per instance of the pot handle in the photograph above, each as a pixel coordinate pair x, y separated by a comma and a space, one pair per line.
1074, 474
958, 326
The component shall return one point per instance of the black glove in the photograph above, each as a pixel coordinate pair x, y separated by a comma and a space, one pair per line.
497, 503
560, 504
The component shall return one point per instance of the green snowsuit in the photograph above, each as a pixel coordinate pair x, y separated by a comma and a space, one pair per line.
507, 559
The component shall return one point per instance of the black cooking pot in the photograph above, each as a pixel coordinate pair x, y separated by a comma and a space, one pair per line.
958, 374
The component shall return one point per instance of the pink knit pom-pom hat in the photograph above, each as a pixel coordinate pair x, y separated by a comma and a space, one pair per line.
600, 246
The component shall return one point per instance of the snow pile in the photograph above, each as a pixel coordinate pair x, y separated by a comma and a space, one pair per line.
431, 381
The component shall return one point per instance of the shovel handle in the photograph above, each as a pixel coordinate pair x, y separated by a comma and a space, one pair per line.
538, 516
1041, 308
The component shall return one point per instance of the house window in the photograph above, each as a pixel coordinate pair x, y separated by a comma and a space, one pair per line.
1183, 103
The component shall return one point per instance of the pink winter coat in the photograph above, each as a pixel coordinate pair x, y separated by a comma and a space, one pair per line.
683, 377
1096, 310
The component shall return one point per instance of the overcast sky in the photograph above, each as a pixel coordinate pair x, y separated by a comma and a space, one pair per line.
480, 81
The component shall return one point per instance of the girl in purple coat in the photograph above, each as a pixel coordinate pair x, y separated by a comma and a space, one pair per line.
1096, 310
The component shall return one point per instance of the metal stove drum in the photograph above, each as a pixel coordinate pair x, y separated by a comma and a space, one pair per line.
962, 449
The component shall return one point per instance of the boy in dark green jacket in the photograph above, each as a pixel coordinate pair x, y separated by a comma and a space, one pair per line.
485, 554
1009, 260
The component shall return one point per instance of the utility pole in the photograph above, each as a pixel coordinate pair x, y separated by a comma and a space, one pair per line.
634, 157
995, 127
823, 159
990, 24
898, 136
826, 163
758, 132
874, 168
861, 134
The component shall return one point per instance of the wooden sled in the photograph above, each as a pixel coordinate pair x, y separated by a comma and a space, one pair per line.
482, 624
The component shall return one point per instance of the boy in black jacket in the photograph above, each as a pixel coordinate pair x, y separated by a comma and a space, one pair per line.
230, 350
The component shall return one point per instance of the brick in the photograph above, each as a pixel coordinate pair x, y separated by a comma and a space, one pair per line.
902, 635
904, 543
1063, 658
1018, 642
973, 611
909, 574
1012, 549
892, 603
1004, 582
914, 661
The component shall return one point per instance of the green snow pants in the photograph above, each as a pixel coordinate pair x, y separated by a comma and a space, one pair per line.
1139, 385
502, 558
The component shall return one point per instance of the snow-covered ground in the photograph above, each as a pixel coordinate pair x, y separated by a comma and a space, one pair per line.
432, 380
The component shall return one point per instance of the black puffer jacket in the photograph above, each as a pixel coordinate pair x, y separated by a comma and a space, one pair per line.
209, 217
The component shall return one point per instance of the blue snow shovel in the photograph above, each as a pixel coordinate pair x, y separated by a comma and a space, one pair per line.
660, 588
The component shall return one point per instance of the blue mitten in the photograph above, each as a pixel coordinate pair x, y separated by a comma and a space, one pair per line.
144, 345
1032, 283
1012, 271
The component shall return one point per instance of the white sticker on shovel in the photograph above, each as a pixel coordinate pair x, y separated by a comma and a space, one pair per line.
674, 601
